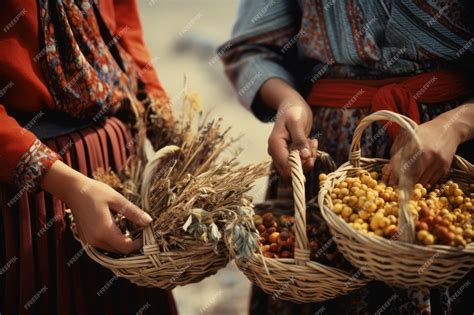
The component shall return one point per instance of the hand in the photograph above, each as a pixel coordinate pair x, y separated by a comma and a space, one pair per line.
428, 163
90, 202
293, 124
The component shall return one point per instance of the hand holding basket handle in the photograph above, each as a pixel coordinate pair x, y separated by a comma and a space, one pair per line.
303, 280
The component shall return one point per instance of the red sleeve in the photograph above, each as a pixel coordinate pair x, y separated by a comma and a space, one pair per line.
128, 25
24, 159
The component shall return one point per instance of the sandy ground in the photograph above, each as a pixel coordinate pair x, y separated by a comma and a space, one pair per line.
182, 36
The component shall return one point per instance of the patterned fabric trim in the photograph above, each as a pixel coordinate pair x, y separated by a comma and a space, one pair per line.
83, 69
32, 165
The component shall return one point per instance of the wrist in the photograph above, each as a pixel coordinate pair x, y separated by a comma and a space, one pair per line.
292, 101
278, 94
458, 123
64, 182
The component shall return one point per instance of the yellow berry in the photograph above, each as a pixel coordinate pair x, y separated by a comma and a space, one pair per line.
338, 208
421, 235
391, 230
458, 200
392, 219
429, 239
346, 212
417, 194
384, 223
356, 226
370, 196
353, 217
360, 193
352, 200
363, 214
375, 221
322, 177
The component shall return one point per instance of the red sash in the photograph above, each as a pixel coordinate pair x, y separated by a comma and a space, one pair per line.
399, 94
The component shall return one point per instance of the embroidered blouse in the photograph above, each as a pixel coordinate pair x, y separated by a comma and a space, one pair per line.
25, 89
305, 40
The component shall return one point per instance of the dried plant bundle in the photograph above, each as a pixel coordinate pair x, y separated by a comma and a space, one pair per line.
194, 188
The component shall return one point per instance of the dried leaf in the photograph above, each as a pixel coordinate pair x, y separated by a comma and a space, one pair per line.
216, 235
188, 222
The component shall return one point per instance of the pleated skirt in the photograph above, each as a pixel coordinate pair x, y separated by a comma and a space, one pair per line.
43, 269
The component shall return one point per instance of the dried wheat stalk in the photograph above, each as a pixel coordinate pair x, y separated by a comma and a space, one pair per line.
189, 188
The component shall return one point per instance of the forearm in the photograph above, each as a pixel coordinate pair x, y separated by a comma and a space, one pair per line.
276, 93
460, 121
63, 181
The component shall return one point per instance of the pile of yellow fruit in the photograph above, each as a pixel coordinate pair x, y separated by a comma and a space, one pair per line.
443, 214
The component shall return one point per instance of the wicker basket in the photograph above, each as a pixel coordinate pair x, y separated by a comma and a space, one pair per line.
155, 267
395, 262
300, 279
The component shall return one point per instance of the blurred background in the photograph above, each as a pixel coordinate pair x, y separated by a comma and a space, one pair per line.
182, 36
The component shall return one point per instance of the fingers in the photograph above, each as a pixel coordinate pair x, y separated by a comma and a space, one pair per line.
308, 164
432, 174
426, 177
111, 239
115, 242
299, 138
391, 171
136, 215
386, 172
314, 147
278, 150
123, 244
94, 240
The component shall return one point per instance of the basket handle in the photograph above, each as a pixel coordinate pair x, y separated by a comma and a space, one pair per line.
149, 234
462, 164
298, 179
406, 223
405, 122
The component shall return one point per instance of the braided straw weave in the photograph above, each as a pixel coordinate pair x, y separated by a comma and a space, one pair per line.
396, 262
300, 279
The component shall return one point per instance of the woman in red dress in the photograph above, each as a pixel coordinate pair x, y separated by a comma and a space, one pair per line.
67, 69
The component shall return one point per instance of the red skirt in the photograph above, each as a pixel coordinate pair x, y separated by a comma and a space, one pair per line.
43, 269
